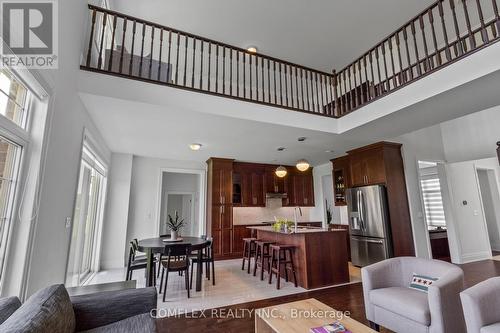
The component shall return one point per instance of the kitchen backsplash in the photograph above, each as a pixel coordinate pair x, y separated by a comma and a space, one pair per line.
253, 215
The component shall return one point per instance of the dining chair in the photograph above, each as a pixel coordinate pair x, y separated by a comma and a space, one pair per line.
136, 263
207, 258
177, 260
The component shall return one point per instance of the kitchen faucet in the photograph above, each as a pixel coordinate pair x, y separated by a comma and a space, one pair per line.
295, 209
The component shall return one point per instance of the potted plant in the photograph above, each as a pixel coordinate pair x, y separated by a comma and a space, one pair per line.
174, 224
329, 215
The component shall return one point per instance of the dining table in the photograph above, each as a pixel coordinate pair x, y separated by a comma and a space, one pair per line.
159, 245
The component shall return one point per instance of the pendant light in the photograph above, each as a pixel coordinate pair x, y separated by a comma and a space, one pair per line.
302, 165
281, 171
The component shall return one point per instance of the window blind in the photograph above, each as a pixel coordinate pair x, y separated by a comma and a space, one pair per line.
433, 201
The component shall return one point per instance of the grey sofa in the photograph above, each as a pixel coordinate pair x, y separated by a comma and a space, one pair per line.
52, 310
389, 302
481, 305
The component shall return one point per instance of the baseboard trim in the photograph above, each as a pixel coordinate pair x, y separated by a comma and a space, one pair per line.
477, 256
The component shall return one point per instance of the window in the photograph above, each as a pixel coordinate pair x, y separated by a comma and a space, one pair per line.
14, 97
87, 216
433, 200
10, 155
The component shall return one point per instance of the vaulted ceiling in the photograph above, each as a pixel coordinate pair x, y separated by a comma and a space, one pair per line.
322, 34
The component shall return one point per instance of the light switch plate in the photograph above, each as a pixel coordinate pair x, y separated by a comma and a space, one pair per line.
68, 222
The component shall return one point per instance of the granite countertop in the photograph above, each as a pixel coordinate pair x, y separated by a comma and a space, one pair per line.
300, 230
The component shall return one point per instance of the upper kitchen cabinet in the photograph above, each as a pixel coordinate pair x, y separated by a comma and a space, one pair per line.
250, 180
274, 184
302, 189
367, 165
220, 182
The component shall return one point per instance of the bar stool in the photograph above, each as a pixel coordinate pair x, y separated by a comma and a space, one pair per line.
248, 252
262, 254
278, 258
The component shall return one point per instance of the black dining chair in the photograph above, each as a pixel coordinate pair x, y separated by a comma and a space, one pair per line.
135, 262
207, 258
177, 260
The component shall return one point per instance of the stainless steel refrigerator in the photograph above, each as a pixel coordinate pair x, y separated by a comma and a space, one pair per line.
369, 225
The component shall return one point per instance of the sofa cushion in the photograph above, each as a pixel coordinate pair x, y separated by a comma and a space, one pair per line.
143, 323
8, 306
493, 328
406, 302
47, 311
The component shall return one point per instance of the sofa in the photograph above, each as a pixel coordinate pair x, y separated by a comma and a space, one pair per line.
52, 310
391, 303
481, 305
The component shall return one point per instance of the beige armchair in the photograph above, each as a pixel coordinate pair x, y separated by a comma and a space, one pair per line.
389, 302
481, 305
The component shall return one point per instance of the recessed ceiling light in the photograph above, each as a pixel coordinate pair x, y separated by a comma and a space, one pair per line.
281, 149
252, 49
329, 151
195, 146
301, 139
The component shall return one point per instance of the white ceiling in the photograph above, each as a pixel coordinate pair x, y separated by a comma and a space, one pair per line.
322, 34
163, 131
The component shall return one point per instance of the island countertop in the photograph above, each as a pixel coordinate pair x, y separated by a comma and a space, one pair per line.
300, 230
320, 255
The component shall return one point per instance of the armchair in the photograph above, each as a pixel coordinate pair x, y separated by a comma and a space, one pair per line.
481, 305
389, 302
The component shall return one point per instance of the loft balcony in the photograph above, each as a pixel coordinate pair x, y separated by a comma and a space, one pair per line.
444, 33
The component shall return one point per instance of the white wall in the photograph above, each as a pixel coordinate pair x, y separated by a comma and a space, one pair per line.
143, 213
114, 238
472, 137
51, 237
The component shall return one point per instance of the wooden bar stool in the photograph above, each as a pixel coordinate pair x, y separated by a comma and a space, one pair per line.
248, 252
279, 258
262, 254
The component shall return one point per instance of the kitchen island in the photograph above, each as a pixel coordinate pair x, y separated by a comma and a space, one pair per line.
320, 255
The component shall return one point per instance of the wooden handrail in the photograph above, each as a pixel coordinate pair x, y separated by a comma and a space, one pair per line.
441, 34
420, 47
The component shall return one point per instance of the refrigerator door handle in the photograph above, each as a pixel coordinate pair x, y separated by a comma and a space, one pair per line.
362, 210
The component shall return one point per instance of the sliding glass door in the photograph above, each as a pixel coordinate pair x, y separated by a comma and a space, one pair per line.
88, 216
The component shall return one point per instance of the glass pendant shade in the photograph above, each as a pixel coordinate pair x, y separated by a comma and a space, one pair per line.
303, 165
281, 171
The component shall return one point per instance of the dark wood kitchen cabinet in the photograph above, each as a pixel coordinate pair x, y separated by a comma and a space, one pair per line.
367, 167
274, 184
340, 175
219, 205
251, 180
302, 189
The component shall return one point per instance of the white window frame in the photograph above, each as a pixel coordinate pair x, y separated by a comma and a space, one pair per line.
21, 137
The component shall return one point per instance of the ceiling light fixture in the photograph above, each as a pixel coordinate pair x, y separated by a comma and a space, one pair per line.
252, 49
303, 165
281, 171
195, 146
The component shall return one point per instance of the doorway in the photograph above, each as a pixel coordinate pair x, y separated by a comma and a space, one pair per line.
490, 200
182, 204
182, 192
431, 176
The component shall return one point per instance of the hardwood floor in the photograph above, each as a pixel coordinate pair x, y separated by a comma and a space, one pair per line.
239, 318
